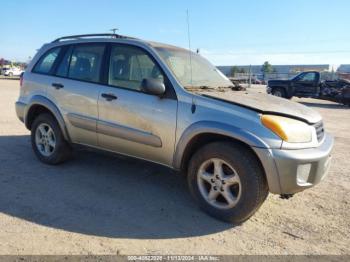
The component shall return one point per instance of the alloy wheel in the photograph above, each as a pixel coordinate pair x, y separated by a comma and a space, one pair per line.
219, 183
45, 139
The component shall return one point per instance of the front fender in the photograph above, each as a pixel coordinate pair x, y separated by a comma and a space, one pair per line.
290, 90
49, 105
211, 127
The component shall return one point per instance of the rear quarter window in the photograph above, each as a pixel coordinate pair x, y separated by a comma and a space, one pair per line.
46, 62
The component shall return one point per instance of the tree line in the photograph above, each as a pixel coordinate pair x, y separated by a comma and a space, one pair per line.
4, 62
266, 68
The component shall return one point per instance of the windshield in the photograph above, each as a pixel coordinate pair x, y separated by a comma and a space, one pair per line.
203, 73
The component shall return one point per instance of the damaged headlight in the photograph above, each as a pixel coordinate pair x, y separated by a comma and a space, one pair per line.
288, 129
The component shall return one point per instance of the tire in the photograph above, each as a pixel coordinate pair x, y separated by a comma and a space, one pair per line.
56, 154
10, 74
251, 190
279, 92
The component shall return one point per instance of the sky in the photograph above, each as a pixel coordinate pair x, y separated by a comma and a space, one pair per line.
227, 32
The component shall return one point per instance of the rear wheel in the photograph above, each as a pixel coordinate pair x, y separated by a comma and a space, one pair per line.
48, 142
10, 74
227, 181
279, 92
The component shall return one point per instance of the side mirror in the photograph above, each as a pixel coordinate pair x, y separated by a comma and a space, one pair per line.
153, 86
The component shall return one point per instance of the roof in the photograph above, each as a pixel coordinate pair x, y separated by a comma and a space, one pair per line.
110, 37
167, 46
74, 37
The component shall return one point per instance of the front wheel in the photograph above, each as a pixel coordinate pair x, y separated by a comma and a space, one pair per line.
227, 181
279, 92
47, 140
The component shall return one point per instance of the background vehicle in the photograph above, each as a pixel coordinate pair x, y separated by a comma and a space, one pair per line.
256, 81
2, 70
245, 80
309, 84
142, 99
13, 71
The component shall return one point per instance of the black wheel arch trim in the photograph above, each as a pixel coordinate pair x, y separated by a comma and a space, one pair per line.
210, 127
39, 100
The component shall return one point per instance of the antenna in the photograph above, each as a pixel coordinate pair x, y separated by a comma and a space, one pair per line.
114, 30
189, 44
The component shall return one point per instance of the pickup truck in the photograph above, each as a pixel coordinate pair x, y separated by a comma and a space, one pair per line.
309, 84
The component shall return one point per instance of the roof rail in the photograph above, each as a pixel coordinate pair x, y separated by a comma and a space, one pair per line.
88, 35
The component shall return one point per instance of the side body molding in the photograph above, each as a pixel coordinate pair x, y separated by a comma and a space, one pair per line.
211, 127
83, 122
128, 133
43, 101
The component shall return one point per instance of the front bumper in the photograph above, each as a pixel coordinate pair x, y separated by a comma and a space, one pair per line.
296, 170
268, 90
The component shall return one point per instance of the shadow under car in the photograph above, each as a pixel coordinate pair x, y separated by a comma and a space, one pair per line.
99, 194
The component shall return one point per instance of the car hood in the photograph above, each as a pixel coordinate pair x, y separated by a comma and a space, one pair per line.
267, 104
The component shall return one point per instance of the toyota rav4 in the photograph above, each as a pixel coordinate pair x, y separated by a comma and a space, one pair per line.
170, 106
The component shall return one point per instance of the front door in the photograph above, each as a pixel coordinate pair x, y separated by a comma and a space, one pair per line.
306, 83
132, 122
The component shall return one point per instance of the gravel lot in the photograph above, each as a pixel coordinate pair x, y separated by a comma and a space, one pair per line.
103, 204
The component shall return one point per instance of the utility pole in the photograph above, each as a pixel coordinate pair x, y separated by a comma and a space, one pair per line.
250, 76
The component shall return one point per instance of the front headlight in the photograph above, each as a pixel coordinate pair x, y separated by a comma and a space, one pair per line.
290, 130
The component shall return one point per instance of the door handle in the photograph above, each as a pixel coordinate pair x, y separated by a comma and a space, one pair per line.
109, 97
57, 85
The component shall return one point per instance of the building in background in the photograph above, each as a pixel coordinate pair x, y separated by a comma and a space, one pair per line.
344, 71
284, 71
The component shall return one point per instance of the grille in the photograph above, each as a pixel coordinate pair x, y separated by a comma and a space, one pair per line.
319, 131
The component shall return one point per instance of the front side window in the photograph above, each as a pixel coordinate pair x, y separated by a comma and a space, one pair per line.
309, 77
306, 77
85, 62
46, 62
129, 66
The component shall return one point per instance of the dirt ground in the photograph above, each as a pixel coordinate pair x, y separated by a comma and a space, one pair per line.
103, 204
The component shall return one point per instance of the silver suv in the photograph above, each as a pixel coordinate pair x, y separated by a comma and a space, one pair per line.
170, 106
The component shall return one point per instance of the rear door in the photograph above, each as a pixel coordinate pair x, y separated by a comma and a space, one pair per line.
132, 122
74, 89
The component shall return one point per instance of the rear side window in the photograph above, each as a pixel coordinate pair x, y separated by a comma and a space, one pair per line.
85, 63
46, 62
62, 69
